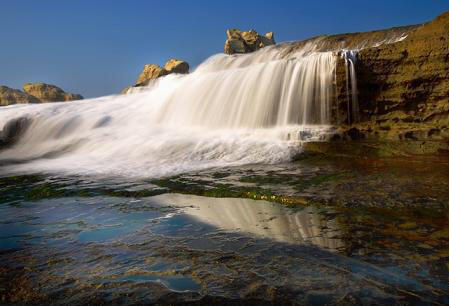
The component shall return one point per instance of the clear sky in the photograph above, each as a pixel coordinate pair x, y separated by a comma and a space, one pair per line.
98, 47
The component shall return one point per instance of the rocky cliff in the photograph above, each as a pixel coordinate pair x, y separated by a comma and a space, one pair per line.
402, 89
35, 93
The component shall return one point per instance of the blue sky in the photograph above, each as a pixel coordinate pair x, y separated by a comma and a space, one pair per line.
98, 47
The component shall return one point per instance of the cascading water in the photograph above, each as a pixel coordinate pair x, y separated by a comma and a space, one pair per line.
232, 110
350, 57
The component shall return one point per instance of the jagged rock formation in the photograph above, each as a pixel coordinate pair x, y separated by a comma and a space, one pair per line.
152, 71
35, 93
245, 42
10, 96
49, 93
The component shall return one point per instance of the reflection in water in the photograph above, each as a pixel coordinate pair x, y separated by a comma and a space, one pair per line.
261, 218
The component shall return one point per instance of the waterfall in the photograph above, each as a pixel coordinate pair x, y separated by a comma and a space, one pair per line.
350, 57
232, 110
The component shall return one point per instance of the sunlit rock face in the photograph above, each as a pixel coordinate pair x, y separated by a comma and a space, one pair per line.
404, 87
35, 93
49, 93
10, 96
152, 71
177, 66
245, 42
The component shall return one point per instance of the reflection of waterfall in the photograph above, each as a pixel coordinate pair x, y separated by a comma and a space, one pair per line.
350, 58
260, 218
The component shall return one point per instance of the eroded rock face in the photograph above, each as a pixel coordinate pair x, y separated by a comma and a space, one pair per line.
49, 93
245, 42
152, 71
10, 96
404, 87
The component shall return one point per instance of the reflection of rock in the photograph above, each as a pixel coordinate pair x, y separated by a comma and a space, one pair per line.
261, 218
245, 42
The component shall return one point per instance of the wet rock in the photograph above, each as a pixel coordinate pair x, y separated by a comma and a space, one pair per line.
49, 93
245, 42
355, 134
13, 130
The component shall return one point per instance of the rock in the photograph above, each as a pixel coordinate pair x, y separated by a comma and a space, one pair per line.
245, 42
49, 93
406, 83
403, 88
12, 131
125, 90
10, 96
177, 66
152, 72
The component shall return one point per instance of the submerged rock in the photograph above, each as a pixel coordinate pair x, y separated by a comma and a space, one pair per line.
245, 42
10, 96
12, 131
49, 93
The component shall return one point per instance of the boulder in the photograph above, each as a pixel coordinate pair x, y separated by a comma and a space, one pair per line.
10, 96
245, 42
152, 71
176, 66
49, 93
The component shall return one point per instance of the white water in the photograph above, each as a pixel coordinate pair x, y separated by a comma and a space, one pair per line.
232, 110
350, 57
